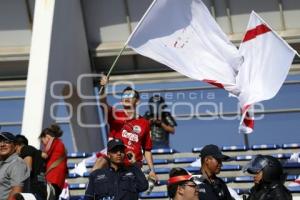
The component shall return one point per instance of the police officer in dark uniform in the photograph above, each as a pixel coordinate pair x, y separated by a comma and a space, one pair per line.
212, 187
162, 123
116, 182
268, 180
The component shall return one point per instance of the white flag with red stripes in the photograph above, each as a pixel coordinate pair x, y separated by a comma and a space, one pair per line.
184, 36
267, 60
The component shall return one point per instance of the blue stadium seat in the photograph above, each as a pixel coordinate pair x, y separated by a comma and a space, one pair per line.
228, 179
294, 189
71, 165
292, 165
192, 169
77, 197
241, 191
265, 146
162, 151
291, 146
291, 177
184, 160
162, 182
197, 149
243, 179
235, 148
162, 170
244, 157
158, 161
282, 155
79, 155
86, 174
154, 195
88, 165
77, 186
72, 175
231, 168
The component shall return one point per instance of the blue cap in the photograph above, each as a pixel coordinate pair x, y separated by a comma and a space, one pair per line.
8, 136
114, 143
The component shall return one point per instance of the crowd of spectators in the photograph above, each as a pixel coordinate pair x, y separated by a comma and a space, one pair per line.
117, 174
25, 169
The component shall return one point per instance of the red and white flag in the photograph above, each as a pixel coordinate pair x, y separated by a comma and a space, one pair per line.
183, 35
267, 60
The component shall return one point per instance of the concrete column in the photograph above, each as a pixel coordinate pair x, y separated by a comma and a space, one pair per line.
59, 55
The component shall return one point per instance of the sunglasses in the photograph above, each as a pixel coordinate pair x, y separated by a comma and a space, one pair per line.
193, 186
128, 95
5, 142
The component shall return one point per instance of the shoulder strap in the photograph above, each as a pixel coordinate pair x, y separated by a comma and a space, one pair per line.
55, 164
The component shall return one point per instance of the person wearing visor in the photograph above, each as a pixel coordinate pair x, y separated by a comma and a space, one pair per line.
268, 179
118, 181
181, 185
161, 122
212, 187
14, 173
132, 129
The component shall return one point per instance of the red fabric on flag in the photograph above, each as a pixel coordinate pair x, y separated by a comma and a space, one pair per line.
213, 82
258, 30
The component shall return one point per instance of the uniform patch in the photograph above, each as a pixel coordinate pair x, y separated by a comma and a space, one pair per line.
100, 177
129, 174
202, 190
137, 129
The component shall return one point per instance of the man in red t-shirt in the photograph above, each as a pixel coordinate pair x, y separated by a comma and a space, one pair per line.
132, 129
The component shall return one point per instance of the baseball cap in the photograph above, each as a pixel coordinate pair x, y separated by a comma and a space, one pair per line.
114, 143
214, 151
8, 136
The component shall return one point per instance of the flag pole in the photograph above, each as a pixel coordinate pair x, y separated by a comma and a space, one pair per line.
113, 66
246, 141
124, 46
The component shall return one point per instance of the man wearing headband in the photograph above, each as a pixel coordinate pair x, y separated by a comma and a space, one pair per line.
181, 185
212, 187
132, 129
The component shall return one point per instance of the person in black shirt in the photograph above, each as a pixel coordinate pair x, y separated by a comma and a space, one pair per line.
212, 187
36, 163
268, 179
116, 182
161, 122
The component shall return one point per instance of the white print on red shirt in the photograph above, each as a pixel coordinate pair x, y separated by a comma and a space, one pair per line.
130, 136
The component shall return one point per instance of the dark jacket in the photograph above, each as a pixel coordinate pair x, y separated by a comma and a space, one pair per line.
214, 191
123, 184
274, 191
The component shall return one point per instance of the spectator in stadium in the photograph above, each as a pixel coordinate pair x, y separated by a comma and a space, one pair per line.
181, 185
268, 179
14, 172
212, 187
162, 123
132, 129
56, 160
118, 181
36, 163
